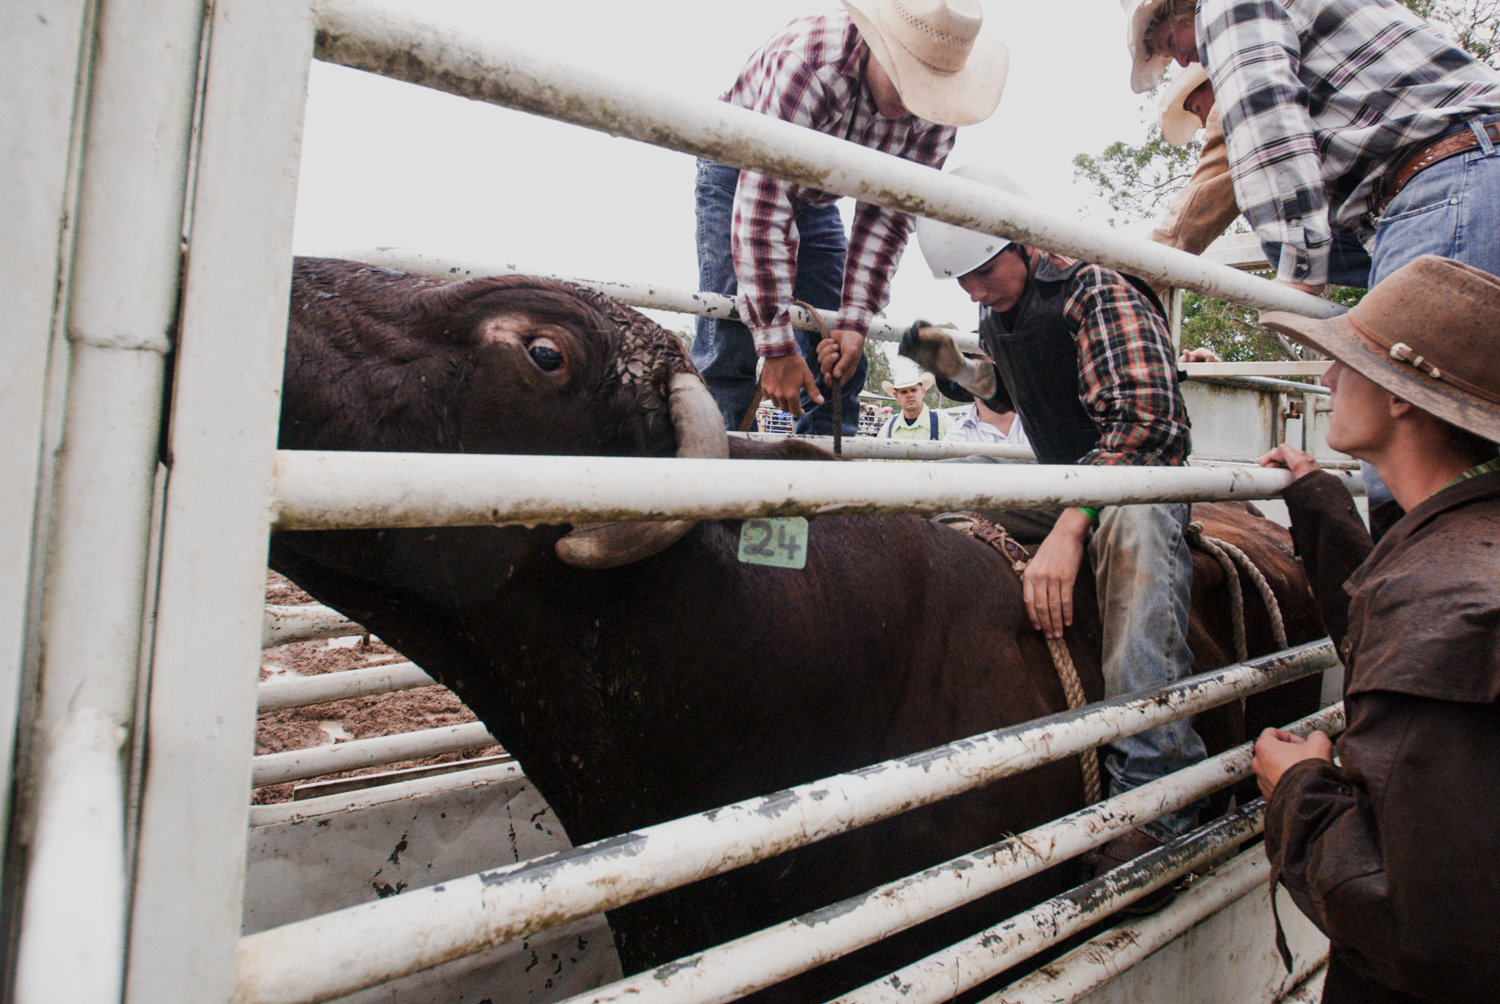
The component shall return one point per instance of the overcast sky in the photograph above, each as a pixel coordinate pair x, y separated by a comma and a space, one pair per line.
387, 163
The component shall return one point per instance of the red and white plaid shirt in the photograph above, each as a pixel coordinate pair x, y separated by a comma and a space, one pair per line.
812, 74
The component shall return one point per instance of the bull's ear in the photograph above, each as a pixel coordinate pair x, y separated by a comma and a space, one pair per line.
700, 434
609, 545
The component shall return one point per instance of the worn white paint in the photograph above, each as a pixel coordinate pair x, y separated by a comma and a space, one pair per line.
422, 928
44, 47
649, 296
190, 863
298, 692
1215, 943
294, 765
328, 489
284, 625
371, 36
121, 305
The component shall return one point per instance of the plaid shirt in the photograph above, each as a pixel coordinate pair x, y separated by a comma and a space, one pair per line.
1322, 100
1127, 379
812, 74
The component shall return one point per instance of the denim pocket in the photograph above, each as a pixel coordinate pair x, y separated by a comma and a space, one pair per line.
1443, 202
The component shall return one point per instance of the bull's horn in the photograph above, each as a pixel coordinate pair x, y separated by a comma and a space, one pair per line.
700, 433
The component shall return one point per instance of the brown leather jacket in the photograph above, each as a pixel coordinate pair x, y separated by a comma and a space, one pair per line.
1395, 854
1205, 206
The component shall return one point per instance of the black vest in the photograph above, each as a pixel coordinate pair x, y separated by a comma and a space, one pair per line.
1038, 363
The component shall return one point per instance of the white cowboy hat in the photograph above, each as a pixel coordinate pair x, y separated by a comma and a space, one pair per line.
904, 374
943, 68
1178, 125
1145, 73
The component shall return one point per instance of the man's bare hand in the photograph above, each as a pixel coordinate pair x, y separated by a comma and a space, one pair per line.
1276, 750
1314, 290
1292, 459
1199, 355
784, 378
839, 353
1047, 584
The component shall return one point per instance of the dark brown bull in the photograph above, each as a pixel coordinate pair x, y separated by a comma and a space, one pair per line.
651, 676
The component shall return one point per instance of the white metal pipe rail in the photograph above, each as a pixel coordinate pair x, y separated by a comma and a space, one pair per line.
734, 969
315, 761
368, 36
649, 296
319, 490
283, 625
300, 691
1095, 963
135, 131
871, 448
335, 954
970, 962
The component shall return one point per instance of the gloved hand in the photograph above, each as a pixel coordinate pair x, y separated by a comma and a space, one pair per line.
934, 351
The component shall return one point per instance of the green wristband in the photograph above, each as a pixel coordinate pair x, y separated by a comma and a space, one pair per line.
1089, 511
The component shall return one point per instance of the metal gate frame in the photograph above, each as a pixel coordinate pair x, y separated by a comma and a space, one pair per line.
155, 149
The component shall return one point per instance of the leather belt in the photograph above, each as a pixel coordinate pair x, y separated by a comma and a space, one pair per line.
1439, 149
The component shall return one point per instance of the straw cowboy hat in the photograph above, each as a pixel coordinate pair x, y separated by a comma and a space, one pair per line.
1178, 125
1427, 334
1144, 73
907, 375
943, 68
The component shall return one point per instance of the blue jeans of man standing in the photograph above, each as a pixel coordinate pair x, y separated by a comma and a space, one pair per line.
1451, 209
1144, 572
724, 349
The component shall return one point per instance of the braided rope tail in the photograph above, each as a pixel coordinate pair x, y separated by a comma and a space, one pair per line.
983, 530
1228, 556
838, 383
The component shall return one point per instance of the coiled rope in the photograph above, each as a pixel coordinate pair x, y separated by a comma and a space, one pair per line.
1228, 556
983, 530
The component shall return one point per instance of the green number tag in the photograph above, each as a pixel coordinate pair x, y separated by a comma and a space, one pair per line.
779, 542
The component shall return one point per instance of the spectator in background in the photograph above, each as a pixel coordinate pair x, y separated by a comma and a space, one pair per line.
893, 75
994, 421
915, 420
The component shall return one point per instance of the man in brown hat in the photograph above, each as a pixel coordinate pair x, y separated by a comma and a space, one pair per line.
894, 75
1393, 849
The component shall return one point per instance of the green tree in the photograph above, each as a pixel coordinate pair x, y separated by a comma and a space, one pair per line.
878, 363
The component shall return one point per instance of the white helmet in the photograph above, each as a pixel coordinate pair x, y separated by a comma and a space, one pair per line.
953, 251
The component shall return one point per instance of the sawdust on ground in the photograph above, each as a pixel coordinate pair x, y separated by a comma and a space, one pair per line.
355, 718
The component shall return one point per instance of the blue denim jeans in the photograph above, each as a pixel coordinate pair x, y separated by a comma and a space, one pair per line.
1451, 208
1144, 572
724, 350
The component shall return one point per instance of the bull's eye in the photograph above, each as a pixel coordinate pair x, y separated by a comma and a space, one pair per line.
544, 353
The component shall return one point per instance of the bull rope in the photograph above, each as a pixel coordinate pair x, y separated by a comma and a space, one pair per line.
983, 530
1228, 556
838, 388
837, 383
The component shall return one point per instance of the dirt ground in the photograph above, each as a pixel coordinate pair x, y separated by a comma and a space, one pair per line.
356, 718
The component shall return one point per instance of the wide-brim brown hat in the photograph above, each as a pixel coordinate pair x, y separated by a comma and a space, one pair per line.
1429, 333
1178, 125
943, 68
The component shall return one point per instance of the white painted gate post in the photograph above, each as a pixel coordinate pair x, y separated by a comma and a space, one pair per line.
185, 917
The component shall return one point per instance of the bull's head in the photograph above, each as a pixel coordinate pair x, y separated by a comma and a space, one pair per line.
381, 360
